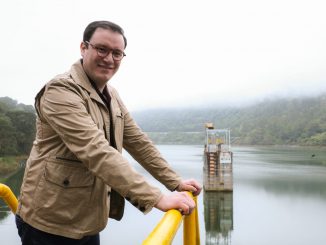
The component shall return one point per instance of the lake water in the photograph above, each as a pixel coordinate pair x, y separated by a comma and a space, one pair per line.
279, 198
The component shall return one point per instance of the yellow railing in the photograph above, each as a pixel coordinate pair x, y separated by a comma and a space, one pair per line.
166, 229
9, 197
162, 234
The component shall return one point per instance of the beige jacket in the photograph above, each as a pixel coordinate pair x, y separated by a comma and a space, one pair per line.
72, 167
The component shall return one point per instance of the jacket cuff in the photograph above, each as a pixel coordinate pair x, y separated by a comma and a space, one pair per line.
173, 185
145, 204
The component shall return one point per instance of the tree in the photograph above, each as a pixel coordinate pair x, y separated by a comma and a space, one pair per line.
24, 127
8, 143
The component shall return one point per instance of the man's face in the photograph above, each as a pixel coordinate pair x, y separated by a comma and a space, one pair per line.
101, 69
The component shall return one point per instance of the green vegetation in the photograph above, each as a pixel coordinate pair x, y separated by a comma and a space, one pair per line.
17, 128
9, 165
300, 121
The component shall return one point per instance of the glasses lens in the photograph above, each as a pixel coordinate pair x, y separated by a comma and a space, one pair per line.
102, 52
117, 55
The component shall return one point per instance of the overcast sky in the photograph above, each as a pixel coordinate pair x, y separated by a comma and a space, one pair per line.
180, 52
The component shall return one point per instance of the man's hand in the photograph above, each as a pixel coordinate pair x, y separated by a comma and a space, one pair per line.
176, 200
190, 185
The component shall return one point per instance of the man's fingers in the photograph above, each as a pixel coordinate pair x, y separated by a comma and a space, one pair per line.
184, 209
196, 192
187, 204
177, 200
190, 185
193, 189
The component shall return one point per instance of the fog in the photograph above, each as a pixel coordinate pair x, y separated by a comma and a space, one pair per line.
180, 53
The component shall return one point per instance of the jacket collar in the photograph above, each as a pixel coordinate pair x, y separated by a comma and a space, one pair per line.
79, 76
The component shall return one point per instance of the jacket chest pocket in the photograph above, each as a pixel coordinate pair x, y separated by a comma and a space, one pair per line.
64, 191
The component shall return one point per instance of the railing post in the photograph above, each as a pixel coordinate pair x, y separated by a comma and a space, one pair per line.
191, 227
166, 229
9, 197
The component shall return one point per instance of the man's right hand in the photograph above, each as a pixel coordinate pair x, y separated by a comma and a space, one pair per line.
176, 200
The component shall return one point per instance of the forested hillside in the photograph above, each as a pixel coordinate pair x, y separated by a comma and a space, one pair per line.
299, 121
17, 127
287, 121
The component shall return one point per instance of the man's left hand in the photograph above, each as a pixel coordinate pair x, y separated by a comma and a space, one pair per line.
190, 185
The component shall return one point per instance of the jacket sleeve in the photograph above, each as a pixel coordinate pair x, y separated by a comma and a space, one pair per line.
142, 149
64, 108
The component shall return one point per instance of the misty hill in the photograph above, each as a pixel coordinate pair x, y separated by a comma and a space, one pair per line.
300, 121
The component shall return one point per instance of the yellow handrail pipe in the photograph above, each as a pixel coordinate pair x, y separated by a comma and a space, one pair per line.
166, 229
191, 227
162, 234
9, 197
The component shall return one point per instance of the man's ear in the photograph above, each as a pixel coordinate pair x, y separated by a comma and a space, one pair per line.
83, 48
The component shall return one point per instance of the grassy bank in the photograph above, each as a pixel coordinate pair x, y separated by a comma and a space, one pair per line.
9, 164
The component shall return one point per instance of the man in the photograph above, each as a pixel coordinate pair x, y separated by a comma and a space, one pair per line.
76, 177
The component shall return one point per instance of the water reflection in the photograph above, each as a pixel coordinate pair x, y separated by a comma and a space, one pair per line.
218, 212
279, 198
287, 171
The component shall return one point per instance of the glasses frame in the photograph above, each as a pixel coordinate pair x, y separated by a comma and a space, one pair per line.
104, 52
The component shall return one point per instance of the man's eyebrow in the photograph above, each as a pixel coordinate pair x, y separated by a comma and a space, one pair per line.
107, 47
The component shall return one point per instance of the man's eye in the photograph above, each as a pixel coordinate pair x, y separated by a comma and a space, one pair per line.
117, 53
102, 50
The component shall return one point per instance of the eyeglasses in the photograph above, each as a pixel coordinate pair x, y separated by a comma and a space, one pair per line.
102, 52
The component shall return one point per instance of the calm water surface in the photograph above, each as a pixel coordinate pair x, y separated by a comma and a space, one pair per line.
279, 198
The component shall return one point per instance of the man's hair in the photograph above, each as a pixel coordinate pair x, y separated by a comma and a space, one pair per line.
90, 29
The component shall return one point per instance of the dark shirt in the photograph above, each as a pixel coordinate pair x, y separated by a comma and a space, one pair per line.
106, 98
